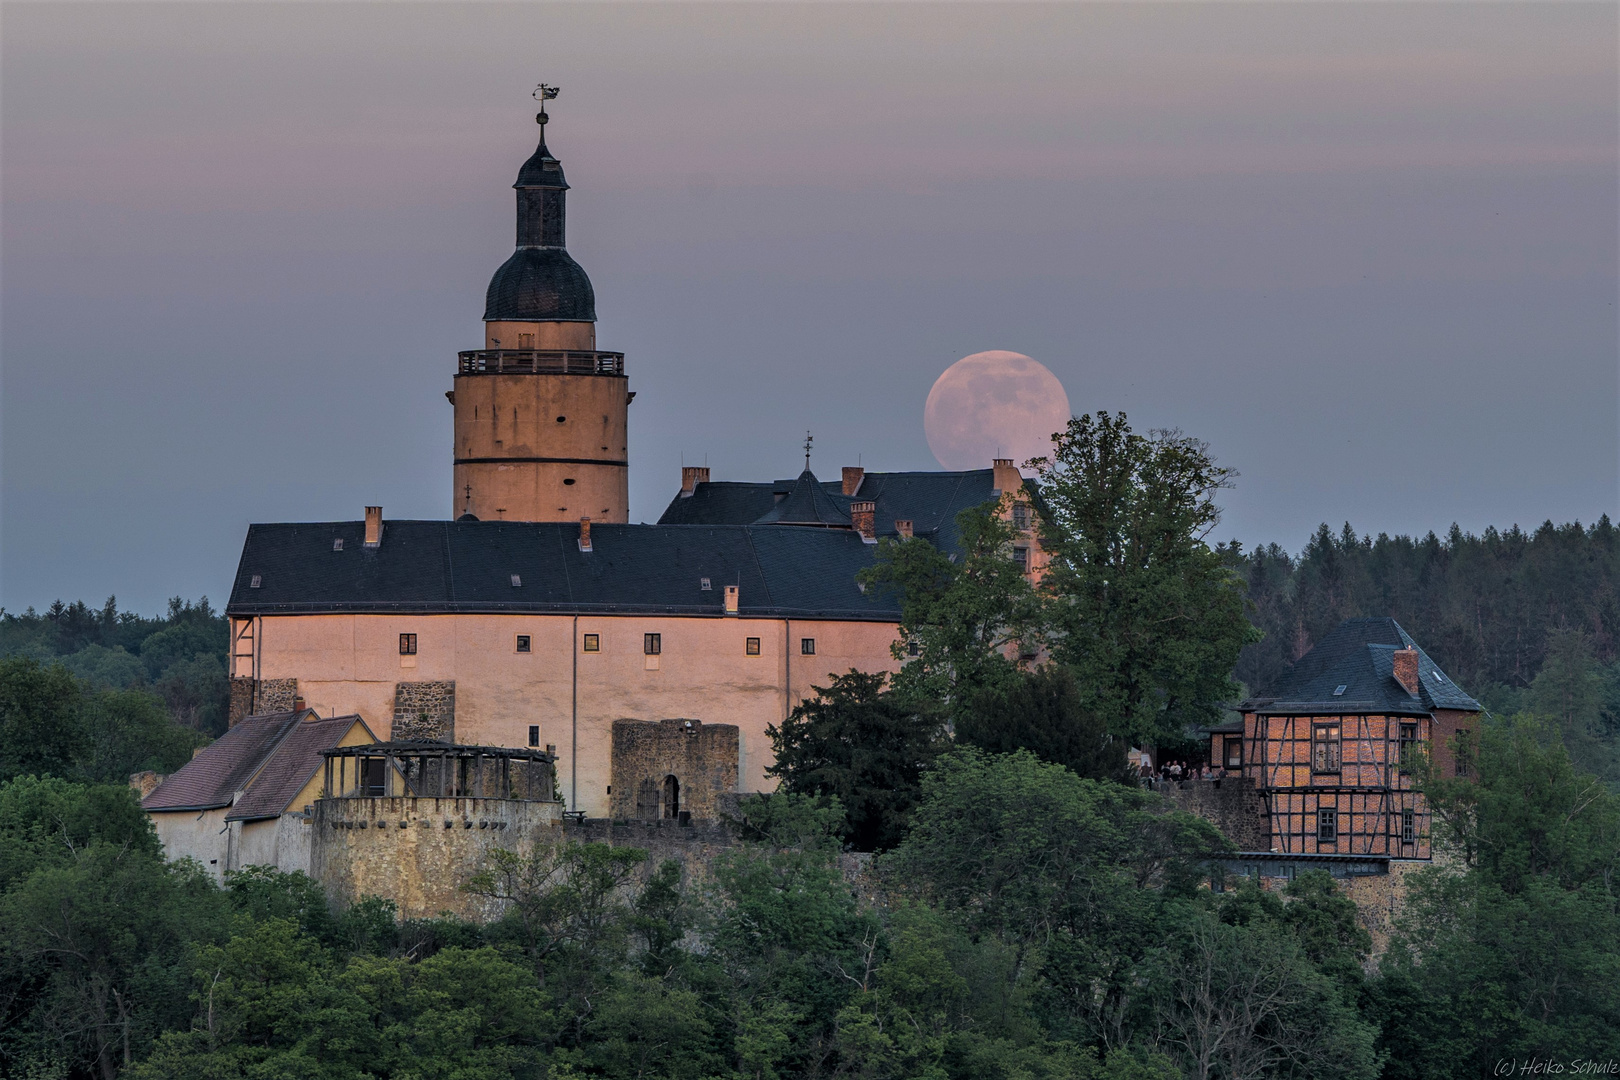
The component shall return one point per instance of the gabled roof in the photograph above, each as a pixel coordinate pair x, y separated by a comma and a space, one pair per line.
268, 758
291, 764
1352, 671
930, 500
468, 566
809, 503
223, 767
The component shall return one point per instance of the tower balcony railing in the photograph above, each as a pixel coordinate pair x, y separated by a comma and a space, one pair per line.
540, 362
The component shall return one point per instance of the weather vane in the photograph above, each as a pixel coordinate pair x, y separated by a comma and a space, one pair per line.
543, 94
808, 439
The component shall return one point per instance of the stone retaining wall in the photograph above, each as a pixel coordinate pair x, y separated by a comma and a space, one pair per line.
1231, 804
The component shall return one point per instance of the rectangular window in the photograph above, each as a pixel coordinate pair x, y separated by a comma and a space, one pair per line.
1327, 826
254, 584
1021, 557
1234, 753
517, 581
1408, 745
534, 734
1461, 753
373, 780
1325, 748
913, 648
1020, 516
593, 643
751, 646
1408, 826
337, 545
407, 644
807, 646
523, 643
652, 644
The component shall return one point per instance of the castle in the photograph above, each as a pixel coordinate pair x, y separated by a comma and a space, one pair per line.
537, 615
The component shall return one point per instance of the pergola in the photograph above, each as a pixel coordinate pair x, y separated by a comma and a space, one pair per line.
438, 770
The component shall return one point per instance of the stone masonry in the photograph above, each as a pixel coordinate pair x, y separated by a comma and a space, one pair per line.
652, 759
252, 697
1231, 804
425, 712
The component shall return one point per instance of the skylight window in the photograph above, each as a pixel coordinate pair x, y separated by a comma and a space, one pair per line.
1438, 677
517, 582
703, 583
1339, 690
337, 544
254, 584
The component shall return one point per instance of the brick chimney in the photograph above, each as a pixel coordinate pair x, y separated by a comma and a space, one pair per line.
1007, 476
1406, 670
691, 477
853, 475
903, 527
731, 599
585, 534
863, 516
373, 526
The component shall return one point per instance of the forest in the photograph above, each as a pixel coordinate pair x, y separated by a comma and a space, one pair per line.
955, 878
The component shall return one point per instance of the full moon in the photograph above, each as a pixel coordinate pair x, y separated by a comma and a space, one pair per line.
994, 405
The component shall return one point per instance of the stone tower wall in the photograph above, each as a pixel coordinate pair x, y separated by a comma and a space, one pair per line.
424, 712
419, 852
702, 757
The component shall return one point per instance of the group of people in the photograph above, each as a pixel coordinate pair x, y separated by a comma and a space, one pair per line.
1175, 772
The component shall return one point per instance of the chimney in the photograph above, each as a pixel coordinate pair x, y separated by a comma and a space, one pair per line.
298, 704
903, 527
731, 599
373, 526
1406, 669
1007, 477
863, 516
691, 477
853, 475
584, 534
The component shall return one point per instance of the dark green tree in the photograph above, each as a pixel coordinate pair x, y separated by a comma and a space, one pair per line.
862, 745
1043, 712
41, 730
1149, 616
961, 613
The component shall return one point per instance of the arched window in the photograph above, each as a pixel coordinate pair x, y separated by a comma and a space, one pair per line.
672, 797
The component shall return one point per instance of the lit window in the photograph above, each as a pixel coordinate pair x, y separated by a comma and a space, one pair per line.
751, 646
534, 734
652, 644
407, 644
593, 643
1325, 748
1234, 753
807, 646
1408, 826
1327, 826
523, 642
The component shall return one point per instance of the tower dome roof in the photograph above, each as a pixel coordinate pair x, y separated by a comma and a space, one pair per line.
540, 284
541, 170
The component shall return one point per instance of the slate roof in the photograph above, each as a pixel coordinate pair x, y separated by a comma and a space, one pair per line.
930, 500
290, 765
542, 169
467, 566
540, 284
1359, 656
809, 502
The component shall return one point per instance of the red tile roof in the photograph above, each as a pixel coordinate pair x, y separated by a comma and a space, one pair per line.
291, 764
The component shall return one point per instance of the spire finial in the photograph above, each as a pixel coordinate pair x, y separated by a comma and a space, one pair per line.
543, 94
808, 439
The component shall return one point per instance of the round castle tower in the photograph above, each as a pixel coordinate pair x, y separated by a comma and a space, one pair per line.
541, 417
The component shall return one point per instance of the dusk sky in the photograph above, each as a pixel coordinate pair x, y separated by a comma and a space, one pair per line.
1366, 251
